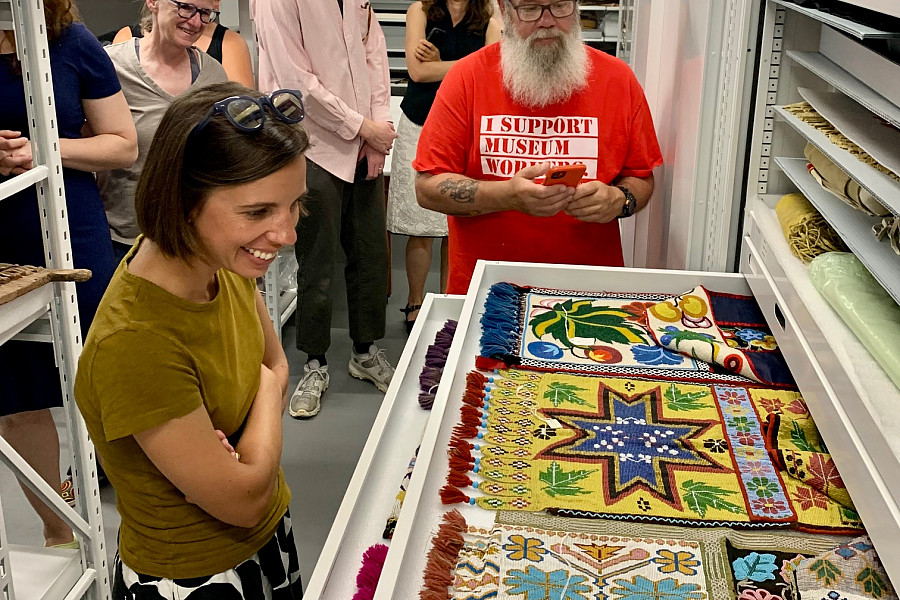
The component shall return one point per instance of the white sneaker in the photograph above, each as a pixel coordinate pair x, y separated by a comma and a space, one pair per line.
372, 366
306, 400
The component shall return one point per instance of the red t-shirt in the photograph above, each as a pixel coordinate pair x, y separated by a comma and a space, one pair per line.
476, 129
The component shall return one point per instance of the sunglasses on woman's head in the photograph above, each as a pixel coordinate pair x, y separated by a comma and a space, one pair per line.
248, 114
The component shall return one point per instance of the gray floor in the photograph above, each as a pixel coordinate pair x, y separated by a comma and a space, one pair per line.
319, 454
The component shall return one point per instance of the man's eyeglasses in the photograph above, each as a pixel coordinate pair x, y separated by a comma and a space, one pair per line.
187, 11
249, 114
533, 12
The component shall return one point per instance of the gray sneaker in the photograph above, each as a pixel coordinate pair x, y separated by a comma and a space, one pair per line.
372, 366
306, 400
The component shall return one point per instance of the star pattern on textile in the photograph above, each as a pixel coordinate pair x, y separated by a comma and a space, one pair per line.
636, 446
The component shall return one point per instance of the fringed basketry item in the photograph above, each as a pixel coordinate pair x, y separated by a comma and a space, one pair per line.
807, 232
806, 113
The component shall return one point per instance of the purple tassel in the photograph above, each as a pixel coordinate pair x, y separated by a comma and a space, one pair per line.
370, 572
435, 359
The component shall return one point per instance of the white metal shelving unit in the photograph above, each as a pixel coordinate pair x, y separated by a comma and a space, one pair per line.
805, 52
280, 302
42, 573
609, 24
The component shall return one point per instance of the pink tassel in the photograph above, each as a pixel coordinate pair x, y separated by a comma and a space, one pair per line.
370, 572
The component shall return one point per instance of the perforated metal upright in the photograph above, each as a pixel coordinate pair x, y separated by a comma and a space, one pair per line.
280, 303
74, 574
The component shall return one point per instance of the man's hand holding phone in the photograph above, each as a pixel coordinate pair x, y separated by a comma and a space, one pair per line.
539, 200
596, 202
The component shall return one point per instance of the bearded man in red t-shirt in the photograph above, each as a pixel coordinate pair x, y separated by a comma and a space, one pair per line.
507, 113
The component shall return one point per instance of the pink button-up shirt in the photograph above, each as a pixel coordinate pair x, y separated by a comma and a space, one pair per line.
308, 45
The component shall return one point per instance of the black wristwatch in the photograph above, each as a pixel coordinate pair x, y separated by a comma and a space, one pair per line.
630, 206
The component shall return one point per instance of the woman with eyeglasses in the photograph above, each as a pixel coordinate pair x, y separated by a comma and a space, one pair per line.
438, 33
224, 45
154, 70
96, 133
183, 381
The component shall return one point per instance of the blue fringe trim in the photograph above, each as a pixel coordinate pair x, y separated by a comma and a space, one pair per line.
500, 325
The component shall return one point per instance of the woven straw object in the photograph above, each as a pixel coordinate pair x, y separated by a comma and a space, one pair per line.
807, 232
806, 113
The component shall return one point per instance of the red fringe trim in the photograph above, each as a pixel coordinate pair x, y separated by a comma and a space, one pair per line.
476, 378
470, 414
442, 557
452, 495
459, 479
473, 400
465, 431
474, 394
462, 449
459, 465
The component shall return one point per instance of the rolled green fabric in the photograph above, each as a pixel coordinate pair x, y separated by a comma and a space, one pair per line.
863, 304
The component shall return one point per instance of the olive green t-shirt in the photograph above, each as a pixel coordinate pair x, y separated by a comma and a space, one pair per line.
151, 357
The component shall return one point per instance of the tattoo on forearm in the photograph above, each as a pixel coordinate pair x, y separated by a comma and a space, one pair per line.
461, 190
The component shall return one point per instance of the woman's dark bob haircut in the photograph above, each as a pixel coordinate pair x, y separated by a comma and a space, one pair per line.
179, 174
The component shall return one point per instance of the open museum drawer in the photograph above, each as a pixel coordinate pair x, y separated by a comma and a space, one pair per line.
422, 509
392, 441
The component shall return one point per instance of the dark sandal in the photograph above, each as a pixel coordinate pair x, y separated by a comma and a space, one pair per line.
410, 309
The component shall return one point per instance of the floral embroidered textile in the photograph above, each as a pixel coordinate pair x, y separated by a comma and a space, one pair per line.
763, 573
534, 556
852, 571
598, 333
535, 564
723, 329
798, 450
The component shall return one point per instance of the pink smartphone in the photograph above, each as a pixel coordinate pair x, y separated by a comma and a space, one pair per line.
569, 175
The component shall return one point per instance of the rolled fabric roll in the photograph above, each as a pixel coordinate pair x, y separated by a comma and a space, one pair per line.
807, 232
862, 304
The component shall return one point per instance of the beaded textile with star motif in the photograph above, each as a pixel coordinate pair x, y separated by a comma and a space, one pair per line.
627, 448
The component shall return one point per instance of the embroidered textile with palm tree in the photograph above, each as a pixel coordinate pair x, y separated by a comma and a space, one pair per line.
602, 333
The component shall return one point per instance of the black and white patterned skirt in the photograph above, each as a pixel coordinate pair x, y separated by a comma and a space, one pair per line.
273, 573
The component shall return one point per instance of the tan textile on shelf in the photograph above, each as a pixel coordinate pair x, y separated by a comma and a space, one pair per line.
889, 228
832, 178
18, 280
806, 113
807, 232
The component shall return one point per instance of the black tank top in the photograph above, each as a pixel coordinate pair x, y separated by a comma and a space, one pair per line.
458, 42
215, 45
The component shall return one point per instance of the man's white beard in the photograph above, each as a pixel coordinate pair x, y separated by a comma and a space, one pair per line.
538, 76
